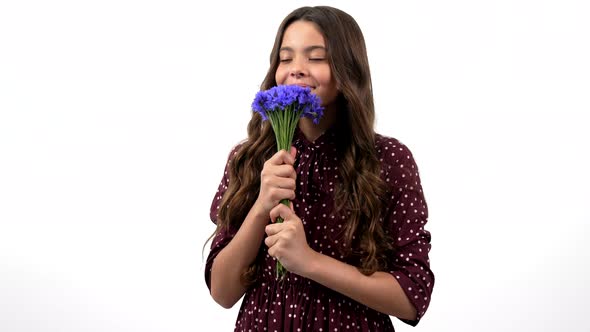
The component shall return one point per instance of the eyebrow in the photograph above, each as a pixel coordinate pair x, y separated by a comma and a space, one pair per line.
306, 50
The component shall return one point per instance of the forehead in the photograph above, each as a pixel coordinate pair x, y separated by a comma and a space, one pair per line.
301, 34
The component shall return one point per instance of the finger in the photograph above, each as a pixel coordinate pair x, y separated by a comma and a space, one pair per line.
282, 157
282, 211
293, 152
286, 171
272, 229
271, 241
285, 183
272, 252
278, 194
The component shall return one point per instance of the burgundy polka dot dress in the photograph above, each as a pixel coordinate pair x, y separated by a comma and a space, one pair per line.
300, 304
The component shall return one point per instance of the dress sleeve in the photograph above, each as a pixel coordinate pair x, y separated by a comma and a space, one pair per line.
405, 221
224, 236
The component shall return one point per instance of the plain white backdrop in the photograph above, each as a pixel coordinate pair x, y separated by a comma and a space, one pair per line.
116, 118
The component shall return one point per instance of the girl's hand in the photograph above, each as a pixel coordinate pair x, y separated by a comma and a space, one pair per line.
286, 241
277, 181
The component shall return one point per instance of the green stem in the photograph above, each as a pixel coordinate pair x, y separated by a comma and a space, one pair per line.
283, 124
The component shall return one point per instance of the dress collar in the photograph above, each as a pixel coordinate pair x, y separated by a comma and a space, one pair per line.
326, 141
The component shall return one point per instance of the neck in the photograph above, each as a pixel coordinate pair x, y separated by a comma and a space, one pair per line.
312, 131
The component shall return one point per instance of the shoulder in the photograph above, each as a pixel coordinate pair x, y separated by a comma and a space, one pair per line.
397, 161
392, 151
234, 150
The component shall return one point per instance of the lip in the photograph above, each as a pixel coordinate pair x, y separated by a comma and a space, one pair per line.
303, 85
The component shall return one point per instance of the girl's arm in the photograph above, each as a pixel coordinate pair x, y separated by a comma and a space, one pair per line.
380, 291
277, 182
235, 258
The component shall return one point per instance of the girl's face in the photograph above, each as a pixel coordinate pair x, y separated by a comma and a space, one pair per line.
304, 61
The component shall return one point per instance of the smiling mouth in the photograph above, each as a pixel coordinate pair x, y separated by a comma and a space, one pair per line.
305, 86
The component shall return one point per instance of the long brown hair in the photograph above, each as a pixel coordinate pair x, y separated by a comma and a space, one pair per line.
361, 193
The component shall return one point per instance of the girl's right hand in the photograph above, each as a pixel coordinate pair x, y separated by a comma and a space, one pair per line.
277, 181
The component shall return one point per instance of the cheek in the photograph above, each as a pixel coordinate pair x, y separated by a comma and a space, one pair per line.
279, 76
325, 77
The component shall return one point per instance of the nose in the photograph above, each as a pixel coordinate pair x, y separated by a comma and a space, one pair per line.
297, 69
297, 74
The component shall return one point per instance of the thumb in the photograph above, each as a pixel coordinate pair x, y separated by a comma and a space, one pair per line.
293, 152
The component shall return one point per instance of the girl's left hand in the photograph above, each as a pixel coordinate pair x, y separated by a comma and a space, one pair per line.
286, 241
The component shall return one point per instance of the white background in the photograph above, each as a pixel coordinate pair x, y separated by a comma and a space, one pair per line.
116, 118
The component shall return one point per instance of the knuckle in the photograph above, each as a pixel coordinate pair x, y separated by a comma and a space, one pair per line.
277, 250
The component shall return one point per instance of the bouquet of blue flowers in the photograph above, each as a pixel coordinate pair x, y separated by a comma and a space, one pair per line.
283, 106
